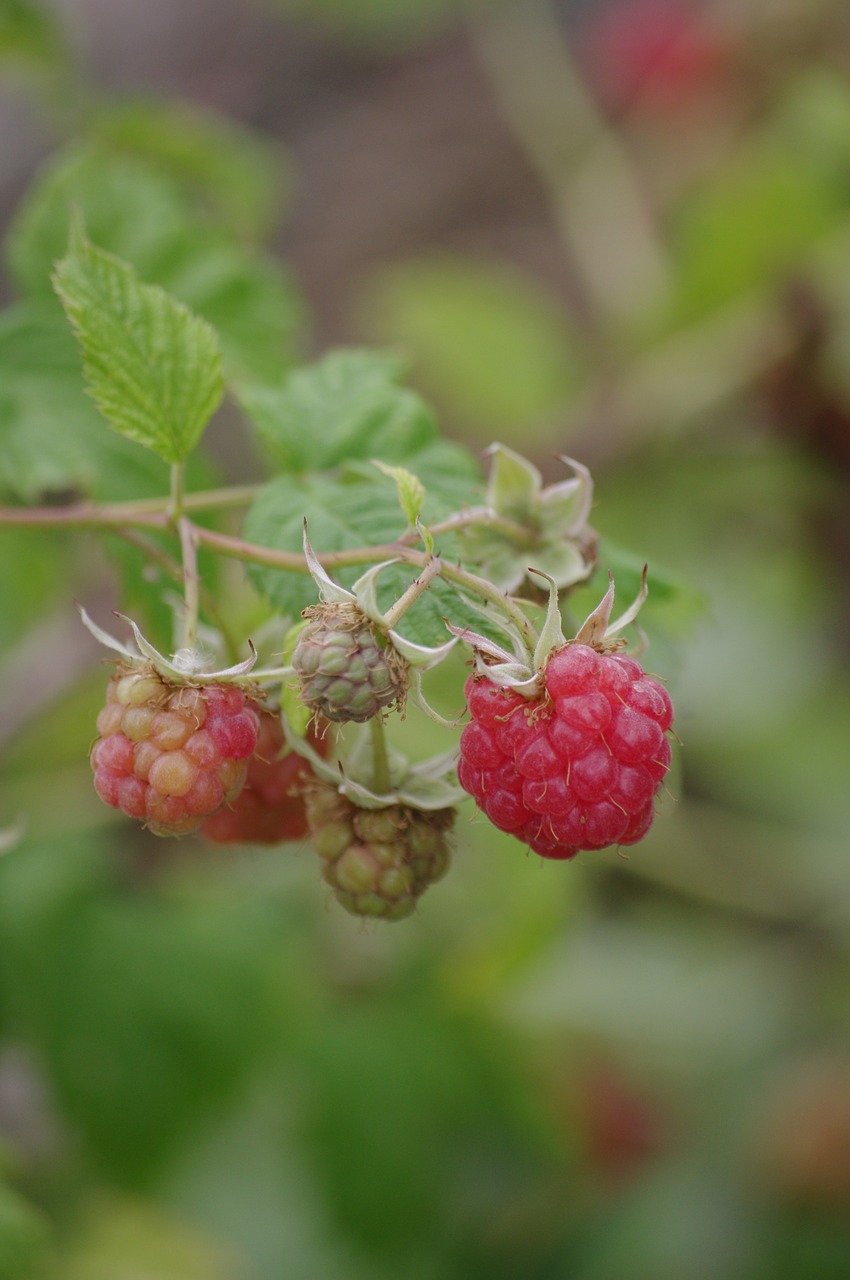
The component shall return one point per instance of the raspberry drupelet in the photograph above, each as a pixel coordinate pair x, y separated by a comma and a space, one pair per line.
172, 754
580, 766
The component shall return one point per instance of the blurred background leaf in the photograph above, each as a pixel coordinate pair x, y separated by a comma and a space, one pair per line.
495, 353
609, 1070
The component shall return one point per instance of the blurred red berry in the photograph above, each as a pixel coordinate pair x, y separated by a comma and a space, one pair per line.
270, 807
657, 53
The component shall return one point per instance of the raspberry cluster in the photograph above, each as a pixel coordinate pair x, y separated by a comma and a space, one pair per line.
172, 754
379, 862
347, 673
578, 768
270, 807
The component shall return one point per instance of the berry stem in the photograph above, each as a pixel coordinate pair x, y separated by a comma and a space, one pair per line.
381, 779
517, 533
413, 592
191, 583
294, 562
156, 514
156, 554
178, 485
147, 512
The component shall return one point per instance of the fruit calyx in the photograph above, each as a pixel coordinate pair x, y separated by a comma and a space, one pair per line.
186, 666
523, 670
428, 784
551, 520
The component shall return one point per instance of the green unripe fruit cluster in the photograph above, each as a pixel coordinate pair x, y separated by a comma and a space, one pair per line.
347, 671
379, 862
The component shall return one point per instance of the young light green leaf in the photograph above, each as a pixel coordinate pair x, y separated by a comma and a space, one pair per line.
411, 490
426, 535
153, 367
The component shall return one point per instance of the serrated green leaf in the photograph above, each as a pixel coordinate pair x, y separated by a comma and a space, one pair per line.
52, 439
340, 515
347, 405
154, 368
353, 509
410, 489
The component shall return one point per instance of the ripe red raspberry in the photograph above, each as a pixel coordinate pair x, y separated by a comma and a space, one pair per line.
577, 768
172, 754
270, 807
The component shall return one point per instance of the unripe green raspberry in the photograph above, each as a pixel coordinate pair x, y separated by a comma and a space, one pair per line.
377, 861
428, 850
347, 672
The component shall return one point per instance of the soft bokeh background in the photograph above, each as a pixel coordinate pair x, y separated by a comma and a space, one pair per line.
614, 228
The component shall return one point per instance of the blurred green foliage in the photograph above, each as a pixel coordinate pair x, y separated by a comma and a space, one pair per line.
205, 1070
490, 345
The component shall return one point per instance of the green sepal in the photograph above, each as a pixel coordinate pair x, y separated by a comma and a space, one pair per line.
429, 784
514, 485
525, 527
563, 508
